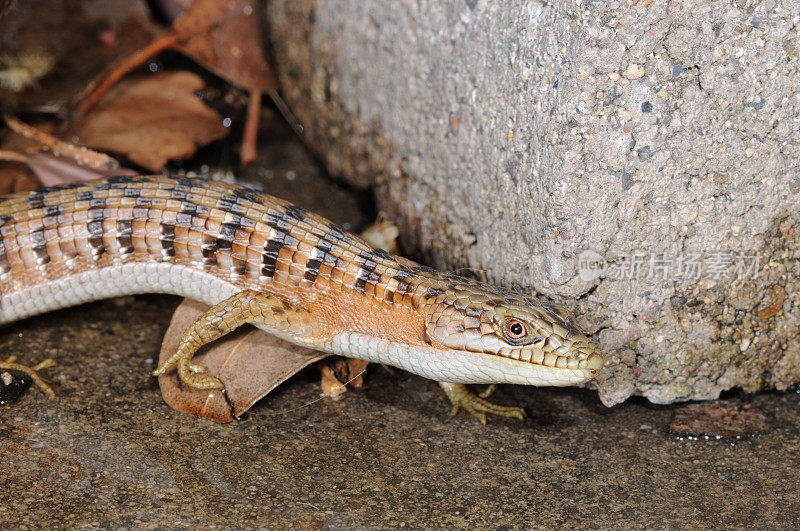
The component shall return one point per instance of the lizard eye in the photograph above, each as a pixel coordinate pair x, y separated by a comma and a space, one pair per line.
515, 331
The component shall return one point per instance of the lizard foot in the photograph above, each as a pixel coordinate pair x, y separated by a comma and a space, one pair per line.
188, 372
475, 405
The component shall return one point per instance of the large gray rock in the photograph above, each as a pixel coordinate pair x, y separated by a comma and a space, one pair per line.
517, 137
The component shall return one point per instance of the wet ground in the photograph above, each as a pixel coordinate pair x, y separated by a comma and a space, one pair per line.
107, 451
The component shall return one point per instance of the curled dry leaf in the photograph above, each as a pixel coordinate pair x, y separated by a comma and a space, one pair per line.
250, 363
15, 175
151, 120
52, 170
234, 48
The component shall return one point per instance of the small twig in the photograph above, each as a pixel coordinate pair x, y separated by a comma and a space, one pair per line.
286, 112
13, 156
250, 137
80, 154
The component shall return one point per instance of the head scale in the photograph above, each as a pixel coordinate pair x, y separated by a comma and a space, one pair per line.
473, 317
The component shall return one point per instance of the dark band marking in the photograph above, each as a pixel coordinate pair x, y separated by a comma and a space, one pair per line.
227, 233
125, 236
126, 179
270, 257
313, 264
297, 212
272, 247
277, 220
247, 194
40, 247
36, 200
188, 211
323, 255
402, 276
178, 193
209, 249
230, 205
188, 182
383, 253
84, 195
119, 181
95, 227
367, 272
167, 239
433, 293
425, 269
336, 233
238, 265
132, 192
51, 213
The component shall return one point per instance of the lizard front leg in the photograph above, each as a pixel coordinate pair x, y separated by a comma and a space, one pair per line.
477, 405
245, 307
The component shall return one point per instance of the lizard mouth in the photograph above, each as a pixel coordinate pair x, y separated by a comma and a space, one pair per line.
574, 357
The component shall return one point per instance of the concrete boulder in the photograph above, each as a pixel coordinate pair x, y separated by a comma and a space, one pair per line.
639, 163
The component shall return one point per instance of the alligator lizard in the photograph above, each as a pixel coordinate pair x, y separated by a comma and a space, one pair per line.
260, 260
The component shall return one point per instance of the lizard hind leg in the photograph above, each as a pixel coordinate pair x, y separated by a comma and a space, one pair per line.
244, 307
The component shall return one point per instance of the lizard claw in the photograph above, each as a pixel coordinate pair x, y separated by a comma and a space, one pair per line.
477, 406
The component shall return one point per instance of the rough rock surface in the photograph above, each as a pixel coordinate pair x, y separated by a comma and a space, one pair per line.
660, 140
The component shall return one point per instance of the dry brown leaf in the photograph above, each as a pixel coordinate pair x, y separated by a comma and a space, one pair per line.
339, 374
15, 178
250, 363
52, 170
14, 174
151, 120
232, 49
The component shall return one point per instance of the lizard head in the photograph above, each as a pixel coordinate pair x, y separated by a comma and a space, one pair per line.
529, 341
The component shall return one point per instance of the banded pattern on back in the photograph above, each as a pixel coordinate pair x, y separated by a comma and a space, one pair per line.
249, 239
